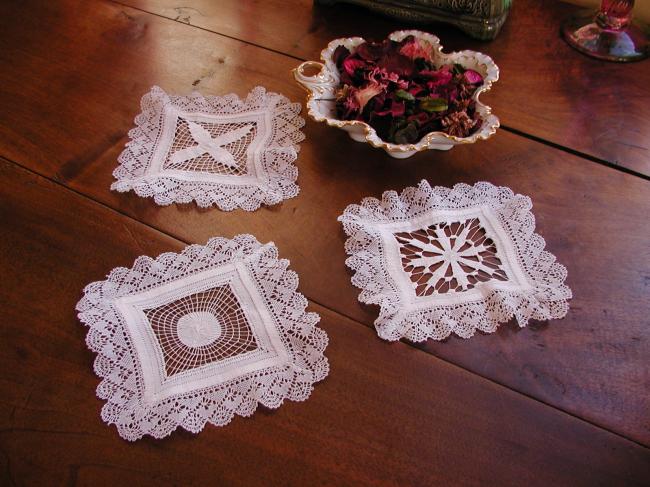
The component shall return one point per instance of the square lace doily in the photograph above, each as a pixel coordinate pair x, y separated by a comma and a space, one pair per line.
215, 150
440, 260
200, 336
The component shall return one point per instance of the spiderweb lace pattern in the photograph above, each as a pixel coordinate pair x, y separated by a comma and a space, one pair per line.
452, 260
215, 150
200, 329
200, 336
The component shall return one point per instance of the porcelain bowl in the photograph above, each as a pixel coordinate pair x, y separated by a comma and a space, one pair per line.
322, 88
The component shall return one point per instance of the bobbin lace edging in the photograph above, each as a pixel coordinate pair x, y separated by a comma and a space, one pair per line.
121, 368
541, 295
266, 172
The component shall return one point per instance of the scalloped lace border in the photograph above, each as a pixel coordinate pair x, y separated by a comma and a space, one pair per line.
547, 299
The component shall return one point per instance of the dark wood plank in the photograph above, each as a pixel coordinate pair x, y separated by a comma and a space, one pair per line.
546, 89
386, 415
592, 364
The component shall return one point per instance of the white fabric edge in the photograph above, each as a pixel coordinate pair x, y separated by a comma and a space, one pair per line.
277, 183
547, 298
108, 338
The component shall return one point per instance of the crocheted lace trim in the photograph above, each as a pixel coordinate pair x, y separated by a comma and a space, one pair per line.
440, 261
215, 150
210, 366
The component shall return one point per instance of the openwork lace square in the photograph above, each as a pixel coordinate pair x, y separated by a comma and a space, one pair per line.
215, 150
440, 260
200, 336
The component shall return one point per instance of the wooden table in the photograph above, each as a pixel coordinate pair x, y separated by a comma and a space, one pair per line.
559, 403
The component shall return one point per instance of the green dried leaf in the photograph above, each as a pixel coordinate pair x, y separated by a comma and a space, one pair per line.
404, 95
431, 105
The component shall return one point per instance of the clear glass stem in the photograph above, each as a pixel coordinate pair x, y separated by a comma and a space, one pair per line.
611, 35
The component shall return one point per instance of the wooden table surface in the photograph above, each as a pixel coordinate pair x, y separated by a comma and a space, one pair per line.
564, 402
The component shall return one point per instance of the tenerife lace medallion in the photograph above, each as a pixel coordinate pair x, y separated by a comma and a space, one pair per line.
200, 336
440, 260
214, 150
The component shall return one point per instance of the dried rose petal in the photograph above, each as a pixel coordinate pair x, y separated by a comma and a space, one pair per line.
453, 94
394, 62
414, 49
370, 51
339, 55
436, 78
415, 89
397, 109
473, 77
365, 94
346, 103
349, 106
351, 64
402, 84
395, 88
381, 75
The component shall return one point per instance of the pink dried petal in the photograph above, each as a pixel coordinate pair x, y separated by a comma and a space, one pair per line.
365, 94
380, 99
394, 62
414, 49
397, 109
381, 76
348, 106
402, 84
351, 64
437, 78
370, 51
473, 77
414, 89
339, 55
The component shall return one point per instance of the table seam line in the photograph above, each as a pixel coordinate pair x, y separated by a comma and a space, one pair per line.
204, 29
354, 320
520, 133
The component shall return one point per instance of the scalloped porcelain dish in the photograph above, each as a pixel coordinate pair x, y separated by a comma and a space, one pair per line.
322, 87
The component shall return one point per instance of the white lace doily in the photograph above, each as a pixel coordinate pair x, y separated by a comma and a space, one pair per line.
440, 260
215, 150
200, 336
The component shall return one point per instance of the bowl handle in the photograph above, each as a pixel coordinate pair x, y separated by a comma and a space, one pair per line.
320, 83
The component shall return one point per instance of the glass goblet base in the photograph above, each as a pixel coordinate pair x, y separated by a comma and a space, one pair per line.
631, 43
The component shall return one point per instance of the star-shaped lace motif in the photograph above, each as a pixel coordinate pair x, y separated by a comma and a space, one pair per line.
448, 257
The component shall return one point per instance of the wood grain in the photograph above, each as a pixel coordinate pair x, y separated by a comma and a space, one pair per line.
546, 89
70, 122
386, 415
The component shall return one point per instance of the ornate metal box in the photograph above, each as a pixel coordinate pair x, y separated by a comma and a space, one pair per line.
479, 18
